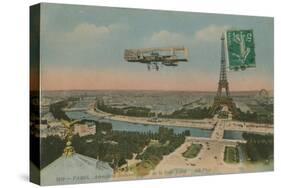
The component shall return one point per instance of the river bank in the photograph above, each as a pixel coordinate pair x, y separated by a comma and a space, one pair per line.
201, 124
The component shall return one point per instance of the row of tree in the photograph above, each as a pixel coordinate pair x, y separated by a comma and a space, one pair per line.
195, 113
126, 111
253, 117
56, 110
258, 147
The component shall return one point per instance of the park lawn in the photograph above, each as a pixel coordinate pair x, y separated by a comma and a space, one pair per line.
192, 151
231, 154
144, 167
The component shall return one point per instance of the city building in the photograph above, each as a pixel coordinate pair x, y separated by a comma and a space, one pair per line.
84, 129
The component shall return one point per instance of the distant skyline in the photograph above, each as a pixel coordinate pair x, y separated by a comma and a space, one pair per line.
82, 49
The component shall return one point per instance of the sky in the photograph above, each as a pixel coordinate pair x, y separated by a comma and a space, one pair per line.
82, 48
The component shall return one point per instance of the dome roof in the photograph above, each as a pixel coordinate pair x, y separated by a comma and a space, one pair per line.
75, 169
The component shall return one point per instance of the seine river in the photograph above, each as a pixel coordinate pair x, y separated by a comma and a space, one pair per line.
132, 127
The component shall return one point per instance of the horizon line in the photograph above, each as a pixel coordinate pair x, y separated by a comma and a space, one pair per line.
56, 90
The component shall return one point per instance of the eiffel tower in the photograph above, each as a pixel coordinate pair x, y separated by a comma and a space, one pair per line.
222, 99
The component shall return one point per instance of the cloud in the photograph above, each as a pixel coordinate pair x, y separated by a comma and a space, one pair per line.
166, 38
84, 34
211, 33
87, 32
85, 42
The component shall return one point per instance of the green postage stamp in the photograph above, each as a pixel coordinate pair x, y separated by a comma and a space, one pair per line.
240, 49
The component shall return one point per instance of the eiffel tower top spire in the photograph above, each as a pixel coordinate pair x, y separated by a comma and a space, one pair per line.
223, 63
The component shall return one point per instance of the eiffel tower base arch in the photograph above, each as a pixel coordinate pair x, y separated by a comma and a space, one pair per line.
220, 101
